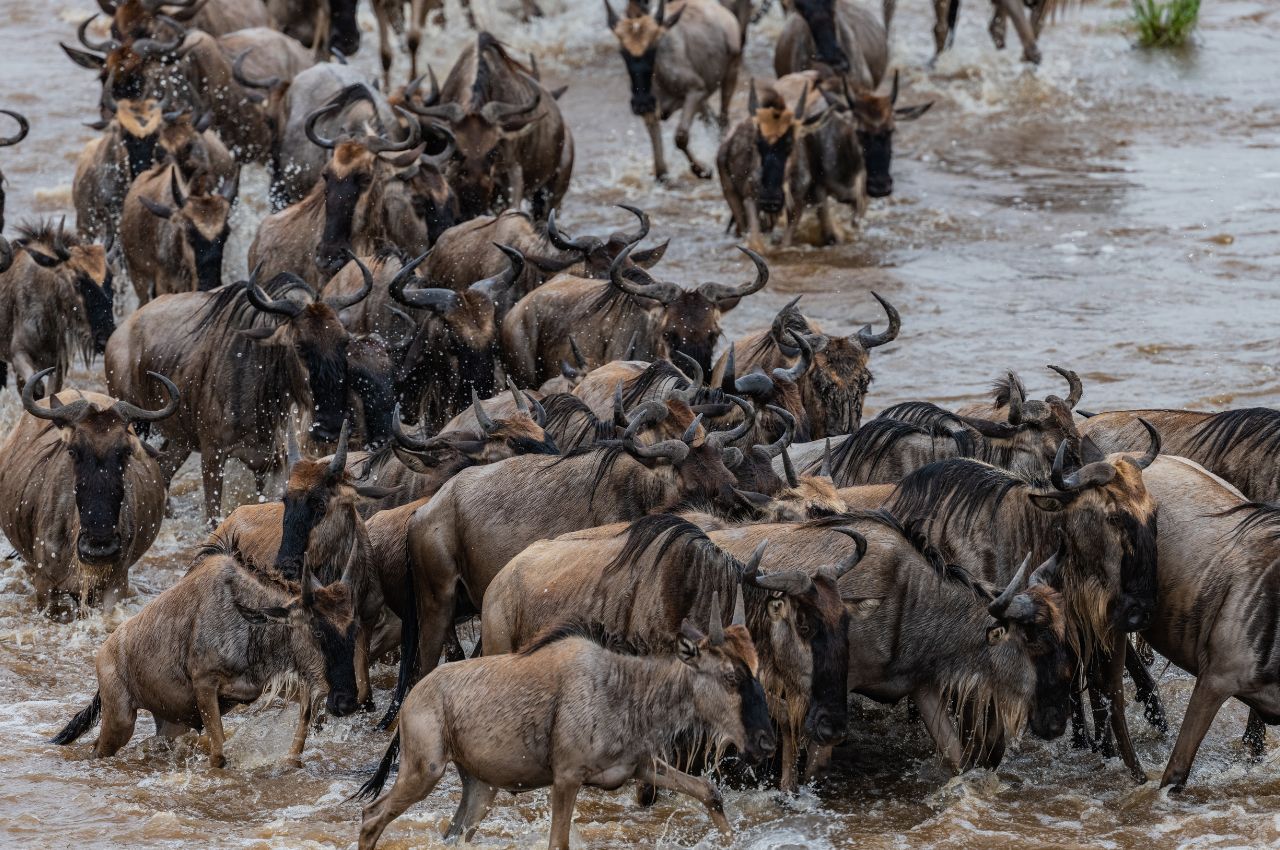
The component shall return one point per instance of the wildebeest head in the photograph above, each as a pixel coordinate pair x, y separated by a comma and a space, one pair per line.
1034, 429
727, 692
353, 179
143, 43
315, 346
808, 628
101, 443
322, 637
820, 15
79, 266
778, 389
777, 134
1030, 617
688, 320
181, 141
598, 253
697, 460
877, 116
204, 220
518, 433
141, 122
1110, 522
638, 35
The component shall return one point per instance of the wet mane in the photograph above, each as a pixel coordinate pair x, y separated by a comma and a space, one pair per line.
1002, 389
229, 304
45, 231
561, 409
594, 632
637, 389
956, 489
873, 443
1252, 428
1262, 517
672, 531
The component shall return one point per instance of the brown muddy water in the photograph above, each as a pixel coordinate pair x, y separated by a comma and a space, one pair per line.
1113, 211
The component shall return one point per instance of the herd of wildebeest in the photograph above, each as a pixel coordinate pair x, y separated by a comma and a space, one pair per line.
678, 547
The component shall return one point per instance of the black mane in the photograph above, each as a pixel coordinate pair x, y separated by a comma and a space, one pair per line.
1254, 428
594, 632
957, 488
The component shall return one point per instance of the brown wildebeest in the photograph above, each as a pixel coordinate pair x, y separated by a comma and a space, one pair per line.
172, 237
640, 580
1237, 445
81, 498
362, 200
977, 514
326, 26
947, 12
678, 67
835, 386
841, 34
485, 515
512, 142
243, 356
23, 128
55, 298
316, 527
217, 639
1215, 617
925, 629
568, 682
603, 316
468, 251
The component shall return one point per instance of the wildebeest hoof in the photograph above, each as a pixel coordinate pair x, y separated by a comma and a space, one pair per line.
700, 171
293, 763
662, 178
217, 762
1032, 55
646, 794
367, 705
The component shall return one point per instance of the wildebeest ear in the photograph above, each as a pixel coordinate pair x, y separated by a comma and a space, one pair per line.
556, 94
83, 58
262, 616
372, 491
156, 209
1051, 502
674, 19
647, 258
863, 607
43, 260
150, 450
688, 642
911, 113
996, 633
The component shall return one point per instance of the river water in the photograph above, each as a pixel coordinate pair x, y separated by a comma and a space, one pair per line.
1113, 211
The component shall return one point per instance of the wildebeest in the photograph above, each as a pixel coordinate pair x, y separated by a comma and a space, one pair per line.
23, 128
841, 34
512, 142
603, 316
678, 67
923, 628
835, 386
172, 237
55, 299
81, 498
642, 579
316, 527
485, 515
323, 25
572, 680
1215, 617
468, 252
217, 639
243, 355
946, 13
977, 515
1240, 446
362, 201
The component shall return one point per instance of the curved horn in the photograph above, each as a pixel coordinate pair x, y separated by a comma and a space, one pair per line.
413, 136
619, 413
871, 340
521, 405
826, 469
715, 630
755, 384
788, 470
649, 413
796, 372
63, 415
262, 303
82, 33
342, 302
449, 113
486, 424
788, 431
495, 286
292, 454
440, 159
309, 127
577, 354
1075, 390
237, 72
641, 232
403, 437
1016, 586
131, 413
692, 431
751, 568
728, 380
307, 589
427, 298
859, 550
610, 15
790, 582
339, 462
720, 439
148, 47
1047, 573
411, 90
692, 371
402, 278
674, 451
175, 189
582, 244
739, 606
664, 293
498, 112
1091, 475
1153, 450
719, 292
1017, 397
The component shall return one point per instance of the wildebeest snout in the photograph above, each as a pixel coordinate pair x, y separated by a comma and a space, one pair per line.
97, 548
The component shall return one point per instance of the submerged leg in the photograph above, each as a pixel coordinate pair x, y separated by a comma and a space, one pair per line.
1255, 737
1205, 701
663, 775
564, 793
477, 799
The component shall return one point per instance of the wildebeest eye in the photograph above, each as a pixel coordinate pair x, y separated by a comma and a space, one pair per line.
805, 629
1115, 520
316, 633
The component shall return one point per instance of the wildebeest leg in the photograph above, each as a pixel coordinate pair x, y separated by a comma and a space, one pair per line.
23, 369
754, 242
1079, 726
1145, 690
452, 646
1037, 17
417, 18
516, 185
727, 87
119, 715
207, 702
887, 8
434, 595
300, 733
1102, 740
826, 225
819, 759
934, 712
1013, 9
1115, 697
564, 793
364, 693
477, 799
940, 28
419, 773
1255, 737
654, 126
692, 102
997, 27
1207, 697
211, 463
664, 775
384, 43
790, 755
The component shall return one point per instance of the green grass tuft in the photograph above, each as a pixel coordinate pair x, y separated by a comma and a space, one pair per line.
1168, 24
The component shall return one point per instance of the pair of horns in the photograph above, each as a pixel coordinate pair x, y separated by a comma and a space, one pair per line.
67, 415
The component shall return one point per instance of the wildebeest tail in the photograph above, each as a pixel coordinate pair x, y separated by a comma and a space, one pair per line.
84, 720
373, 787
408, 649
